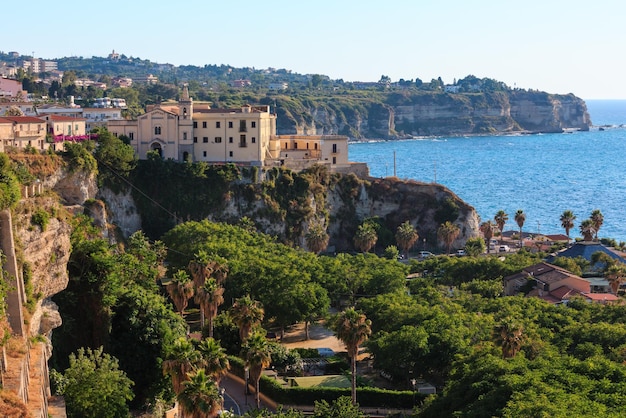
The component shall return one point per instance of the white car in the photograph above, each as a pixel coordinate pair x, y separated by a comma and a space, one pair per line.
504, 249
425, 254
460, 253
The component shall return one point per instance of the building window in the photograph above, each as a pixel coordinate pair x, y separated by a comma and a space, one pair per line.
316, 145
230, 139
131, 135
253, 140
204, 124
218, 139
184, 136
295, 145
205, 139
253, 124
195, 124
334, 160
242, 141
242, 126
230, 153
334, 148
157, 130
230, 124
204, 153
218, 124
195, 139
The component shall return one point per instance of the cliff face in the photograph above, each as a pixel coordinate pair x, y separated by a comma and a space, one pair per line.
431, 114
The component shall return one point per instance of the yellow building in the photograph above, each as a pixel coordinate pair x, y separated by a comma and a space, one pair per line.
241, 135
65, 129
246, 135
23, 131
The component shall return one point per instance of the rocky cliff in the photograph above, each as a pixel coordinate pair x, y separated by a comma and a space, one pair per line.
406, 114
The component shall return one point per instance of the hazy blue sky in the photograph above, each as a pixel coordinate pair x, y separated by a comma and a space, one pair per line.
559, 46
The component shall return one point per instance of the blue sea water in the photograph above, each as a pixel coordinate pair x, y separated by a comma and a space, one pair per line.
541, 174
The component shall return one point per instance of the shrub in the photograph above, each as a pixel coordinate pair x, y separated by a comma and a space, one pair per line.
41, 218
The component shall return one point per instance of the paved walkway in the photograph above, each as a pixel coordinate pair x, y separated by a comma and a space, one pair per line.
235, 398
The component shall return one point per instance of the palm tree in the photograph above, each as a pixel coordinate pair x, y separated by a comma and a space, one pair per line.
406, 236
316, 238
616, 274
509, 335
567, 221
246, 313
587, 229
487, 229
201, 268
256, 351
200, 396
365, 237
209, 297
180, 290
520, 218
598, 219
500, 219
447, 233
214, 359
181, 359
353, 329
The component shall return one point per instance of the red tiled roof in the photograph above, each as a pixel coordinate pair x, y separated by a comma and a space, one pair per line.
609, 297
23, 119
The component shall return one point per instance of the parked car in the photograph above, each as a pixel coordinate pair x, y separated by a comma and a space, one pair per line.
425, 254
504, 249
460, 253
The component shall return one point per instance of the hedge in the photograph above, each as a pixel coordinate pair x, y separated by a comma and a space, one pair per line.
367, 396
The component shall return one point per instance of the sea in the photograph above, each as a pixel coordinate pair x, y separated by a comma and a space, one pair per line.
541, 174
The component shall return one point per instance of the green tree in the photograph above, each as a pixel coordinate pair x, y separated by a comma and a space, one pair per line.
9, 186
95, 387
615, 274
341, 407
199, 397
520, 218
406, 236
567, 221
213, 359
316, 238
257, 353
181, 359
587, 229
116, 157
598, 219
365, 237
391, 252
487, 229
447, 233
353, 329
500, 219
247, 314
180, 289
509, 335
475, 246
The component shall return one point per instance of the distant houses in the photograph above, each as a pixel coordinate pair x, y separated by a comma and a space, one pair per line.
555, 285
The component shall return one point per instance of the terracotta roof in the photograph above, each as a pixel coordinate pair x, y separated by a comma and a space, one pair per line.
564, 292
23, 119
609, 297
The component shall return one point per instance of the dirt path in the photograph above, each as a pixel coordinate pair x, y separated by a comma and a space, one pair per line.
319, 337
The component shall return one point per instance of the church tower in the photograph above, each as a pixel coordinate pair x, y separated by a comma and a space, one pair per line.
185, 126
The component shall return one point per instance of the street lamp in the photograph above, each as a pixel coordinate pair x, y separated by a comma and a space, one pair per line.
222, 393
247, 375
413, 382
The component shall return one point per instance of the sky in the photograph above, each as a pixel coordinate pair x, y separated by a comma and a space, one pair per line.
557, 46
